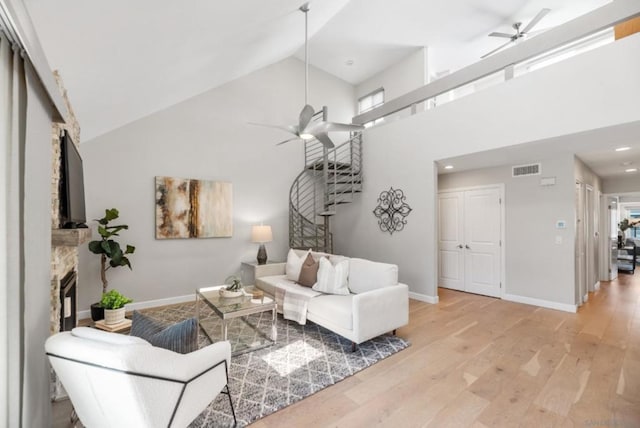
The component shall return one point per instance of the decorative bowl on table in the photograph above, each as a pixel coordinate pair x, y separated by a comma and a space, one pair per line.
228, 293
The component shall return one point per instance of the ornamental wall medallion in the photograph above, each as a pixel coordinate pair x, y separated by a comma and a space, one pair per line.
392, 210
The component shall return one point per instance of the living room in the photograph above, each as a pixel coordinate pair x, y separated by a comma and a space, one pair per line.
127, 142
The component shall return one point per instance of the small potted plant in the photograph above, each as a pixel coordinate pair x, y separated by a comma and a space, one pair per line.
111, 254
113, 303
233, 287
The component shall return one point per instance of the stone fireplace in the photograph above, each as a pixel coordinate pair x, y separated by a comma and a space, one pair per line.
64, 245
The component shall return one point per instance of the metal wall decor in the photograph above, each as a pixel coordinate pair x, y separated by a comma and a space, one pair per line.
392, 210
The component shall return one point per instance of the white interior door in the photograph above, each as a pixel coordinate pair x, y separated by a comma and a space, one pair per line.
469, 238
450, 240
482, 233
580, 267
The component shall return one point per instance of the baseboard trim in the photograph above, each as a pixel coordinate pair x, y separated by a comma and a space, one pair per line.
539, 302
147, 304
424, 298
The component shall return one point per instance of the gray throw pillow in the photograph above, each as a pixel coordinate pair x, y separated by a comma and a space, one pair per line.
181, 337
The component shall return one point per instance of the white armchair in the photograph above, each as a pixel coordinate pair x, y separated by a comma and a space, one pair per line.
115, 380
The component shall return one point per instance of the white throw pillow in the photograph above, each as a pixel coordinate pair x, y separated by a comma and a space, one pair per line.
294, 264
332, 279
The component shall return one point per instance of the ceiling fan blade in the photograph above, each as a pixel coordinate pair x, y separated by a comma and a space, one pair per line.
505, 35
496, 50
535, 20
286, 141
305, 117
325, 140
289, 128
338, 127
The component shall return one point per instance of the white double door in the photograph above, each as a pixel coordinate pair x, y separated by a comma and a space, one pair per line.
470, 245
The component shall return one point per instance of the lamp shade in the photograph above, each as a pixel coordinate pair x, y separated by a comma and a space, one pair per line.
261, 234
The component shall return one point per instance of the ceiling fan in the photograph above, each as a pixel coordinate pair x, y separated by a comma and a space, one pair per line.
306, 129
519, 34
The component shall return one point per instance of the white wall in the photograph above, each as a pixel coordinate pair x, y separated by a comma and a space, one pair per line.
402, 77
206, 137
531, 213
597, 89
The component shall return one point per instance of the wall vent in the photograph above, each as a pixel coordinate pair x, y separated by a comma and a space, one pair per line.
525, 170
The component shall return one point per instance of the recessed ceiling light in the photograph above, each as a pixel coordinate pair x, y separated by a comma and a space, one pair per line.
349, 62
623, 149
448, 167
631, 170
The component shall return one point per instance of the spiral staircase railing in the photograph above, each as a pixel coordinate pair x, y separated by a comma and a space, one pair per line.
330, 178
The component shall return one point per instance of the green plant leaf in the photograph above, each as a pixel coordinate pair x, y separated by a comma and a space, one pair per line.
130, 249
106, 248
111, 214
114, 300
96, 247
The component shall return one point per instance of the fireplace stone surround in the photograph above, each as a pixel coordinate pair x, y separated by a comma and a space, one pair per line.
64, 242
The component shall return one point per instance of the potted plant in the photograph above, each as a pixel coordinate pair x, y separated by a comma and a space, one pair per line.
111, 254
233, 288
113, 304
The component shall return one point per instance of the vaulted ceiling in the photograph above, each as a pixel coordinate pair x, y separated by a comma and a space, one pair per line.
123, 60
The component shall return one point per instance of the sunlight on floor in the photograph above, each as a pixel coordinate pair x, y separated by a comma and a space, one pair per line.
291, 357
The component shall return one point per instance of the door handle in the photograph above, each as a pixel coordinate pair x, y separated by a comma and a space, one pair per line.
467, 247
460, 246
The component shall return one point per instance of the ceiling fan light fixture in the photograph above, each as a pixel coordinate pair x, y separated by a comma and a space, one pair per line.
306, 136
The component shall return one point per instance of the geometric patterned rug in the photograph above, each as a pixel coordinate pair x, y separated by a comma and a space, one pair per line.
305, 359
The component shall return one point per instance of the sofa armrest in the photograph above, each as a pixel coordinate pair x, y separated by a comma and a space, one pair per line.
379, 311
270, 269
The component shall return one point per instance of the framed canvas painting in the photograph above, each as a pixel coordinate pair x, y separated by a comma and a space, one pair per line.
189, 208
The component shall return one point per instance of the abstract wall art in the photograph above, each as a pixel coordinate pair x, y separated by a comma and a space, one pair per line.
188, 208
392, 210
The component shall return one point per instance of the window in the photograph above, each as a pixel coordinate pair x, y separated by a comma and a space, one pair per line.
369, 102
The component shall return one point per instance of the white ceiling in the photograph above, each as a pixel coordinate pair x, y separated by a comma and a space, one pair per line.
595, 148
122, 60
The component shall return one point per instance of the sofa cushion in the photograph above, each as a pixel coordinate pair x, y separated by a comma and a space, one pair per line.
181, 337
294, 264
332, 310
365, 275
315, 254
332, 279
309, 272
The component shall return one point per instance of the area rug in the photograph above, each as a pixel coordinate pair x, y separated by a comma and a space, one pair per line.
304, 360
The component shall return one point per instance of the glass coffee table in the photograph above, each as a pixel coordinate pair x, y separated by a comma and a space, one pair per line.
238, 312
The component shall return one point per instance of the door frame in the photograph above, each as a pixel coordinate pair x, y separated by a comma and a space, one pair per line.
501, 188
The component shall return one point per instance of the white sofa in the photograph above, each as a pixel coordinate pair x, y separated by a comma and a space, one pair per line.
377, 302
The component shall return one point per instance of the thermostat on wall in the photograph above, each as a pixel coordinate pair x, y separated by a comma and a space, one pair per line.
561, 224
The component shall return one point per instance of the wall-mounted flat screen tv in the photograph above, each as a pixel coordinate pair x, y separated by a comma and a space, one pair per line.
72, 209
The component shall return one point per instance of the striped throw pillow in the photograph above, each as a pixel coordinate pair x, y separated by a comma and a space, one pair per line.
181, 337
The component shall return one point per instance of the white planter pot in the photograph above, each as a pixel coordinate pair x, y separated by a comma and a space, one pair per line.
113, 316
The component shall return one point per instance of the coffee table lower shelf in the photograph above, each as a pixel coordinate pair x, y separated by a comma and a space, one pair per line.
237, 310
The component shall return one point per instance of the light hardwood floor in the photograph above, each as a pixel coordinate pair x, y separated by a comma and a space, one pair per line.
477, 361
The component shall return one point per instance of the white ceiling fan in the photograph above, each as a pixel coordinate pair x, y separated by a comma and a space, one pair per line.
306, 129
519, 34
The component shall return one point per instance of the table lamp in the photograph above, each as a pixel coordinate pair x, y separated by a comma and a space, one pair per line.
261, 234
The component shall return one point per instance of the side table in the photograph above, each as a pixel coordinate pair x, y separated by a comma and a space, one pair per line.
252, 270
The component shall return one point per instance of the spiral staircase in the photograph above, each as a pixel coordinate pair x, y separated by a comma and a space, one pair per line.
330, 177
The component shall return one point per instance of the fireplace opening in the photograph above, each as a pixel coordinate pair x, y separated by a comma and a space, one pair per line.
68, 301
